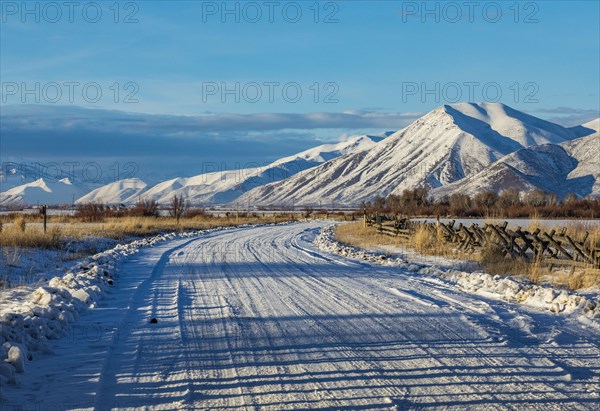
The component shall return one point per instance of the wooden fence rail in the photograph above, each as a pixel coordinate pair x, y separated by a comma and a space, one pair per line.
551, 247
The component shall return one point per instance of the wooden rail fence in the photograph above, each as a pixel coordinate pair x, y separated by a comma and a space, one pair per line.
552, 247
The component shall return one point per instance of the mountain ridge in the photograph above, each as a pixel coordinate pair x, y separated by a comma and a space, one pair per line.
450, 143
464, 147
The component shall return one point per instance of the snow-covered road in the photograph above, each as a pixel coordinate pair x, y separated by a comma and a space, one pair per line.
258, 318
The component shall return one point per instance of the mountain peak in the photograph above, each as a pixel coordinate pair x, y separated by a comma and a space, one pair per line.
448, 144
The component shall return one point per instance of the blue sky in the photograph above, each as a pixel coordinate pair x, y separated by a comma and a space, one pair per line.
362, 59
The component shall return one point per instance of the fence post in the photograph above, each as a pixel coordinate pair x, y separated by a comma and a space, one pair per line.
43, 211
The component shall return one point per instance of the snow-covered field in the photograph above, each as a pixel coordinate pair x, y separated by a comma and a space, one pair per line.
28, 267
268, 318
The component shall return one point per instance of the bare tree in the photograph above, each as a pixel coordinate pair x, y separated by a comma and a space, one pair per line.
508, 197
379, 203
570, 199
459, 203
308, 211
145, 208
177, 207
485, 199
551, 199
535, 198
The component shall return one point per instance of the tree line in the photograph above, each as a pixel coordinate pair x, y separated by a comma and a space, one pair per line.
510, 203
177, 209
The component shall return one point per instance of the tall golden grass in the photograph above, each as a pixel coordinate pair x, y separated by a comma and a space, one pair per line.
21, 233
15, 236
357, 235
490, 258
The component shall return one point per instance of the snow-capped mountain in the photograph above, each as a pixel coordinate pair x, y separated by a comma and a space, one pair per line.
464, 147
226, 186
448, 144
42, 191
587, 128
592, 125
122, 191
571, 167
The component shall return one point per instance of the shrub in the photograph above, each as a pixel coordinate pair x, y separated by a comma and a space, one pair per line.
91, 212
198, 212
145, 208
485, 199
423, 239
20, 223
177, 208
491, 253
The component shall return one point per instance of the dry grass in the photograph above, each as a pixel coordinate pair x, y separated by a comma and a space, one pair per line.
20, 224
578, 279
491, 259
536, 270
21, 233
142, 226
357, 235
19, 236
12, 256
423, 241
429, 242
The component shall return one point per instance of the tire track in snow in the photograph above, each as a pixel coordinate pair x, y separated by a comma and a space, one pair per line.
545, 363
260, 319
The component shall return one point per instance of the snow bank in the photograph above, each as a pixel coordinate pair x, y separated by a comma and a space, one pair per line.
31, 267
507, 288
26, 324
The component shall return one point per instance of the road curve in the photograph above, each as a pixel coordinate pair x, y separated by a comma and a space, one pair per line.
258, 318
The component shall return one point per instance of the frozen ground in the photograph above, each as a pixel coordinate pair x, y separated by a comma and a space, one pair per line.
262, 318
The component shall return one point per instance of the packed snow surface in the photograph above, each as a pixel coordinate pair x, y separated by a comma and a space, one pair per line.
269, 318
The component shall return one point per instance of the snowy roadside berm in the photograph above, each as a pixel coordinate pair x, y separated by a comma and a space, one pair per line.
506, 288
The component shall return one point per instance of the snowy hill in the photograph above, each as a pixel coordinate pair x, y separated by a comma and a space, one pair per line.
226, 186
570, 167
42, 192
465, 147
587, 128
446, 145
122, 191
586, 151
14, 174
